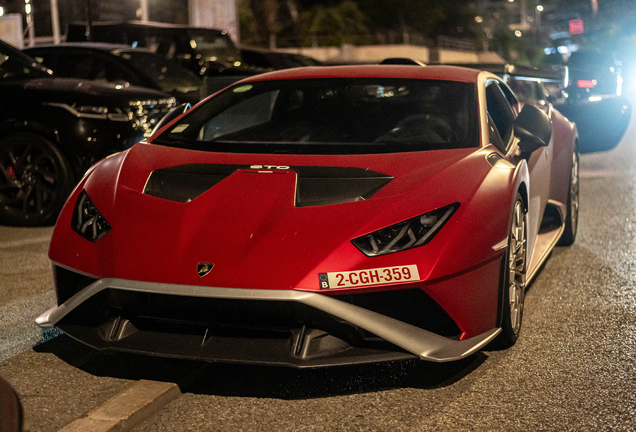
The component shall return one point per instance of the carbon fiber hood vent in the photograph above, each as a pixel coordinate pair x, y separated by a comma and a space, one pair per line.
184, 183
315, 185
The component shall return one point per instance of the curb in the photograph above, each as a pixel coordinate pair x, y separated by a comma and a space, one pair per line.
126, 409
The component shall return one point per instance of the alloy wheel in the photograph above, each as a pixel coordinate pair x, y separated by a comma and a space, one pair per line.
574, 191
29, 179
517, 265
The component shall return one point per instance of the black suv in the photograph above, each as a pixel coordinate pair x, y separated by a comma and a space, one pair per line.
53, 129
595, 100
119, 64
210, 53
199, 49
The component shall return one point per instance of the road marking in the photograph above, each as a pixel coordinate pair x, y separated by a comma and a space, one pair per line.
128, 408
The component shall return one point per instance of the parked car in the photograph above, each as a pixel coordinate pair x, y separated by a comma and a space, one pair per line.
53, 129
594, 73
321, 216
595, 100
601, 120
198, 48
209, 53
120, 64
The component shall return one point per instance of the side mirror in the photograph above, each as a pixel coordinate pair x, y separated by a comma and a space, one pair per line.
533, 127
10, 409
176, 112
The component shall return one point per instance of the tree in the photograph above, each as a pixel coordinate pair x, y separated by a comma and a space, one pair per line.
333, 25
334, 22
262, 21
269, 10
427, 17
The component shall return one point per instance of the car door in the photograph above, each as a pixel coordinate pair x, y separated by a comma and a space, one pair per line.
503, 114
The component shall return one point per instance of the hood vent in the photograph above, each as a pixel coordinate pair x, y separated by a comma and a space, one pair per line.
333, 185
184, 183
315, 186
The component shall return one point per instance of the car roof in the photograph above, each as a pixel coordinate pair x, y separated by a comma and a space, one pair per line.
100, 46
150, 24
450, 73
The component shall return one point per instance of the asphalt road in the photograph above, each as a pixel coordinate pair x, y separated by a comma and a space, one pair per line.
574, 368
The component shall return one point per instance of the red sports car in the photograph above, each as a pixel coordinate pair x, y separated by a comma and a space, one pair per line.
321, 216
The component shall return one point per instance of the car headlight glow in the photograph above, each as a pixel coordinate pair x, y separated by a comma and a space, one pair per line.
406, 234
87, 220
90, 109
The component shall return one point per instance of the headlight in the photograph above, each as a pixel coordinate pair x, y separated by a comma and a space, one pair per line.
87, 220
405, 235
91, 110
145, 114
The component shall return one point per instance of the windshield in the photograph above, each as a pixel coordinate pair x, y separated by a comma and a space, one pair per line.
14, 64
213, 46
168, 75
332, 116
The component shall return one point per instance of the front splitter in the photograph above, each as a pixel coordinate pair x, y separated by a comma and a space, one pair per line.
419, 342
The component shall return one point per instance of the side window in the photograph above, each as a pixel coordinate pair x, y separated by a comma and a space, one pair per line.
82, 66
510, 97
10, 68
500, 111
117, 74
46, 59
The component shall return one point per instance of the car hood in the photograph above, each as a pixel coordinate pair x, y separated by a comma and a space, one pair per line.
86, 91
245, 216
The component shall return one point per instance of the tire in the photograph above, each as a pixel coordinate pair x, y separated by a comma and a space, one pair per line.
513, 280
572, 217
35, 180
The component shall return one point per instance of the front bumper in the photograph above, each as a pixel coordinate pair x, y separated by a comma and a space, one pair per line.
302, 347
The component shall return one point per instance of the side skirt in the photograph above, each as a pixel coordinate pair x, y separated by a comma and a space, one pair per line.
549, 234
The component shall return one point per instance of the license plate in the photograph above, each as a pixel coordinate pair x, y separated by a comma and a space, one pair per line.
368, 277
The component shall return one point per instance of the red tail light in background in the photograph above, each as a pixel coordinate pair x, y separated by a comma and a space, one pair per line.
586, 83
